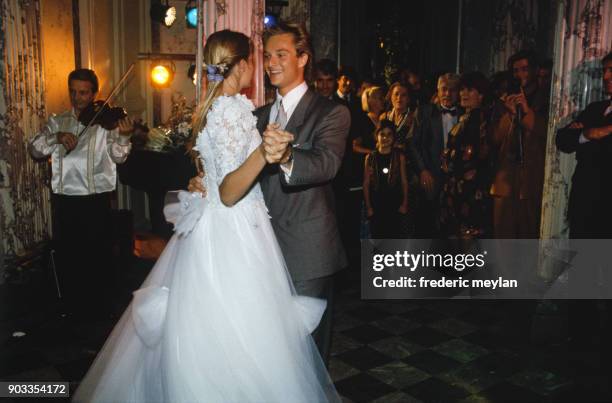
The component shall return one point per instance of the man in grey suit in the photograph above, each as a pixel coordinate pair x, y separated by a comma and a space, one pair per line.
297, 190
432, 124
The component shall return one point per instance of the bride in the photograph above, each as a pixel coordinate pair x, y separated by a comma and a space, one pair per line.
217, 320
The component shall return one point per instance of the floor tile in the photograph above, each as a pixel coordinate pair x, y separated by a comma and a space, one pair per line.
471, 378
367, 333
426, 336
432, 362
453, 327
460, 350
396, 347
364, 358
398, 374
433, 390
396, 324
363, 388
505, 392
339, 370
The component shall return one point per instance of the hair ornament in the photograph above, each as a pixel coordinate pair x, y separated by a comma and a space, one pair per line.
216, 72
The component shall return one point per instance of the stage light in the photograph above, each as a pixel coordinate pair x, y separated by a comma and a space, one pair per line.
273, 12
164, 14
270, 20
162, 75
191, 15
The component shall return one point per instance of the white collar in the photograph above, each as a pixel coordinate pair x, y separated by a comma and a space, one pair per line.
292, 98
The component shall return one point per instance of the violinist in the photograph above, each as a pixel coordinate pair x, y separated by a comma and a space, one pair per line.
83, 164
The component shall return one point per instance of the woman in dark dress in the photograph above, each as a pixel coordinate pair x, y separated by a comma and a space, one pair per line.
385, 185
466, 205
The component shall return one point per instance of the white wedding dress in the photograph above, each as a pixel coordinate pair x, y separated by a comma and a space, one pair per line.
217, 319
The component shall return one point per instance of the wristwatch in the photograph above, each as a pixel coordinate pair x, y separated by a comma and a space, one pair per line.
290, 159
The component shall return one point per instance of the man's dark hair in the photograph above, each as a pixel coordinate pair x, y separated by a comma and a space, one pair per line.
301, 39
347, 71
606, 58
546, 64
327, 67
85, 75
530, 55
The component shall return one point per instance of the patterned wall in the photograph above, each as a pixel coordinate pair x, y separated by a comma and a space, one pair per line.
24, 191
583, 37
494, 30
244, 16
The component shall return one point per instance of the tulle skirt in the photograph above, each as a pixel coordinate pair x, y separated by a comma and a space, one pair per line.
217, 320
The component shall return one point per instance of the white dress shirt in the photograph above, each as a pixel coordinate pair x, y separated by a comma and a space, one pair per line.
90, 167
290, 102
448, 121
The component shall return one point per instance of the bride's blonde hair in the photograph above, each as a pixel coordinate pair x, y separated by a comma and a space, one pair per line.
223, 50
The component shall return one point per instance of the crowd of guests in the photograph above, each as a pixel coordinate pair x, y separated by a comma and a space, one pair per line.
466, 161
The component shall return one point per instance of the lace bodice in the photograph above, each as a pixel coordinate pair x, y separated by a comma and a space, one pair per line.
229, 137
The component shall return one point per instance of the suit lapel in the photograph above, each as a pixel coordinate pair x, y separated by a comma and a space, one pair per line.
438, 127
299, 114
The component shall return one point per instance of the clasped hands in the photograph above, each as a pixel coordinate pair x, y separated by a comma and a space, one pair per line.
275, 148
512, 100
276, 144
70, 141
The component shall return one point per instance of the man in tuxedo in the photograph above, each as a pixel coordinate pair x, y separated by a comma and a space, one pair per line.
590, 137
432, 124
297, 190
346, 83
589, 213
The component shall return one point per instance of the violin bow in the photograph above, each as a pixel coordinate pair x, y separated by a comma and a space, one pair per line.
110, 96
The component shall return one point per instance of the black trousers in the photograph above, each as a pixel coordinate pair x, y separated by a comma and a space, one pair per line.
83, 242
323, 288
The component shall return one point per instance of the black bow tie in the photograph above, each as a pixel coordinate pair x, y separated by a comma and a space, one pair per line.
450, 111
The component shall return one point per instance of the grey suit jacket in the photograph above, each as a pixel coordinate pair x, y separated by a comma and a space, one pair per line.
303, 209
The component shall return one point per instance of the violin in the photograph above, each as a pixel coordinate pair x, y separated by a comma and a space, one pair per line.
101, 113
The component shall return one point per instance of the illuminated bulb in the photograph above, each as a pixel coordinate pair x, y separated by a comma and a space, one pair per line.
170, 16
385, 170
160, 75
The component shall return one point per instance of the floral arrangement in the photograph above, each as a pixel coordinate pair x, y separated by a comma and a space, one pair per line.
175, 132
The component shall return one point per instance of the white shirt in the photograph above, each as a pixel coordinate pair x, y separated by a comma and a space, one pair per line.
448, 121
290, 102
90, 167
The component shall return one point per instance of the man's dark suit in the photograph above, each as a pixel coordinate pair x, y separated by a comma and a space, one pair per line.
425, 153
428, 140
302, 209
590, 202
589, 214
